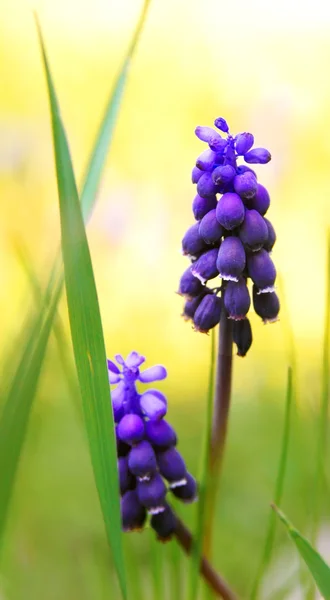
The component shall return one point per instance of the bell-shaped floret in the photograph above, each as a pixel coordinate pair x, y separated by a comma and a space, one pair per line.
230, 211
242, 336
133, 514
172, 467
208, 313
231, 258
142, 460
253, 231
262, 271
237, 299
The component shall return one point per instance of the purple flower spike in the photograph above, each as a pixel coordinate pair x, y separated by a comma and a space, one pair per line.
187, 493
260, 201
210, 229
271, 238
208, 313
201, 206
156, 373
133, 514
223, 174
262, 271
231, 259
267, 306
192, 243
205, 267
205, 186
117, 400
160, 434
126, 478
206, 160
164, 524
253, 231
152, 494
213, 138
189, 285
196, 174
172, 467
230, 211
221, 124
142, 461
242, 336
243, 143
237, 299
153, 404
245, 185
131, 429
259, 156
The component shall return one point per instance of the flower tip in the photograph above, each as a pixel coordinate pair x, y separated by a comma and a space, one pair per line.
266, 290
156, 510
178, 483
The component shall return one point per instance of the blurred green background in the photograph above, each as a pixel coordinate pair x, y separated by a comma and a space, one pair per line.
263, 67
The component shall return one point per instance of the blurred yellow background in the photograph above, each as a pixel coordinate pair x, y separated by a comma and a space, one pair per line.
262, 66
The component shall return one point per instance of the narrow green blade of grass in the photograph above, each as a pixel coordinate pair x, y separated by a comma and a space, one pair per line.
157, 568
322, 434
87, 334
278, 492
18, 402
106, 130
193, 574
317, 567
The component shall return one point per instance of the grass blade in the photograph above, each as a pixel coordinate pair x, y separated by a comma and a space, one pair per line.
87, 334
278, 492
193, 574
18, 402
318, 568
98, 156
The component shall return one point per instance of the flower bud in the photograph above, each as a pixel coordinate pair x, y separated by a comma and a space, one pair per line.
221, 124
164, 524
271, 239
189, 285
207, 314
153, 404
133, 514
191, 306
205, 267
192, 242
206, 160
223, 174
156, 373
245, 185
231, 258
196, 174
230, 211
187, 493
126, 479
260, 201
210, 229
267, 306
243, 143
205, 186
152, 493
253, 231
201, 206
172, 467
237, 299
142, 460
262, 271
131, 429
160, 434
259, 156
242, 336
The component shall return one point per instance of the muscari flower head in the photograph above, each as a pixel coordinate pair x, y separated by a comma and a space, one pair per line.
231, 238
149, 465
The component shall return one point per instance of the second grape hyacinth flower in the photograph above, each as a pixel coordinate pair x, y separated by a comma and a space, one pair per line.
149, 465
232, 238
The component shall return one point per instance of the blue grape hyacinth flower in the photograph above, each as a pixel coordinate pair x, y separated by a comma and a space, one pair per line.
231, 238
149, 465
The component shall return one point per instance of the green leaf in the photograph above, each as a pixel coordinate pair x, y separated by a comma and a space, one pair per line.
278, 492
318, 568
203, 481
87, 334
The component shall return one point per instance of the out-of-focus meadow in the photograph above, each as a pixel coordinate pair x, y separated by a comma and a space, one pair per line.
263, 67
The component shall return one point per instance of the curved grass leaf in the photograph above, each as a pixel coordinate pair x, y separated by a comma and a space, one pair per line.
317, 567
87, 334
194, 565
278, 492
